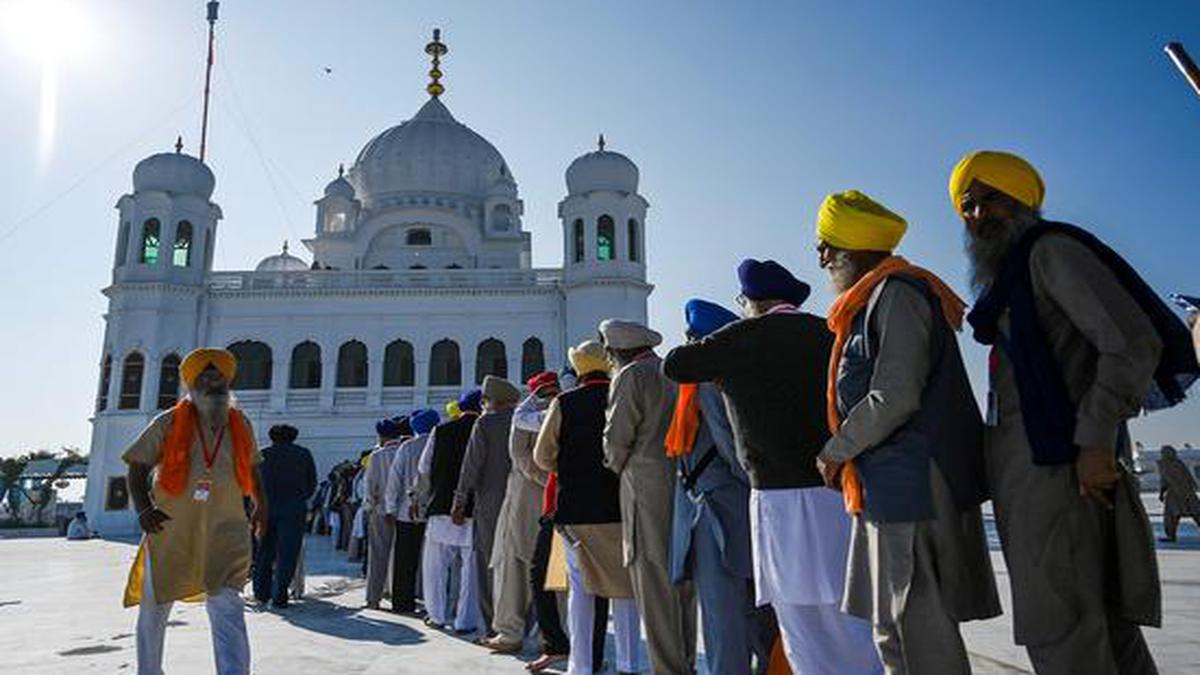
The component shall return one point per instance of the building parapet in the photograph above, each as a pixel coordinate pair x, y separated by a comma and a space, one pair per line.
461, 279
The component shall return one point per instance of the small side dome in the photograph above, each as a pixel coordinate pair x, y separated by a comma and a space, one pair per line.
602, 170
174, 172
340, 187
282, 262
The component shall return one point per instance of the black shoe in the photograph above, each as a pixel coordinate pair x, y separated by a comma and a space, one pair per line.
280, 604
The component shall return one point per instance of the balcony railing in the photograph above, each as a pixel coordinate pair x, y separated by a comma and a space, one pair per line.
384, 279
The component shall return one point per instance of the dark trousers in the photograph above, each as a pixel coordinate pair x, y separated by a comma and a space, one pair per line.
346, 516
277, 555
406, 560
545, 604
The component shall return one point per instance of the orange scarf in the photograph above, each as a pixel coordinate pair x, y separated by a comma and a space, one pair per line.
177, 450
841, 318
685, 423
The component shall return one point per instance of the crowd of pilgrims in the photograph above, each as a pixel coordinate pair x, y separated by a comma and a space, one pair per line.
812, 485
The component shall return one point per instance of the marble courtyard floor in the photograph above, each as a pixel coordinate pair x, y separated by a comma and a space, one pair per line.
60, 613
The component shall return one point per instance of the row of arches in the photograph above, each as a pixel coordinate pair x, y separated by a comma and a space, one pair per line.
256, 366
150, 243
129, 395
606, 239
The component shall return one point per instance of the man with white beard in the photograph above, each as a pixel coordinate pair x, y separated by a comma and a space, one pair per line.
1080, 344
189, 471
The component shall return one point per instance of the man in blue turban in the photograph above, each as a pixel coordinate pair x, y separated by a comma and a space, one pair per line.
448, 544
767, 280
380, 528
771, 367
710, 535
401, 507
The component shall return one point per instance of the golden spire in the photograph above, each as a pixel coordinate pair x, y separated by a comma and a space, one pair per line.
437, 49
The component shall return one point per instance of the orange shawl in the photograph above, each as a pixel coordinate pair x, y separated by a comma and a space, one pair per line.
685, 422
841, 318
177, 450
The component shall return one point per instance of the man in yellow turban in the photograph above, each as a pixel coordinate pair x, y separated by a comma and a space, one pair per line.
1079, 342
905, 444
189, 471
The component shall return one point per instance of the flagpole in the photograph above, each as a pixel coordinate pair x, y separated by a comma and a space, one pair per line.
212, 21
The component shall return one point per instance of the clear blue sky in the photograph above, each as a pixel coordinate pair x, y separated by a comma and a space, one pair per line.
741, 115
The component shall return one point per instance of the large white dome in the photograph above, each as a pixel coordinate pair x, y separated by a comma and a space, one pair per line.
431, 153
173, 172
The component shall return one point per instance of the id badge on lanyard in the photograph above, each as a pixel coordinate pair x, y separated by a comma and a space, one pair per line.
203, 489
993, 401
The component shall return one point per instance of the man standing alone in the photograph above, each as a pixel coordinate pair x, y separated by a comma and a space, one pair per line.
189, 471
289, 480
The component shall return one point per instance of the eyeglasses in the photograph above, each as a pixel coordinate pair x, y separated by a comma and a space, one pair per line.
970, 203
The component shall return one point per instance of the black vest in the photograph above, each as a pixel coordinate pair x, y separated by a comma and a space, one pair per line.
587, 491
947, 428
449, 448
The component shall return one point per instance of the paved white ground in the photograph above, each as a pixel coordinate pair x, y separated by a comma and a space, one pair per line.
60, 613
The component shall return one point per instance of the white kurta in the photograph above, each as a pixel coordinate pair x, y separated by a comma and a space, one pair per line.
800, 539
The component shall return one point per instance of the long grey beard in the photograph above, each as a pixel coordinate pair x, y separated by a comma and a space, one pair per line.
843, 272
212, 408
987, 248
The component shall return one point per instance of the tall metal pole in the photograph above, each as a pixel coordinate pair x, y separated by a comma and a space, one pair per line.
1185, 64
212, 22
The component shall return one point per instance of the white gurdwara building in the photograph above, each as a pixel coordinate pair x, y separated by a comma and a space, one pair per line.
420, 283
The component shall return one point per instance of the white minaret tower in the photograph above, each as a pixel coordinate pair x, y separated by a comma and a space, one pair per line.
166, 231
604, 251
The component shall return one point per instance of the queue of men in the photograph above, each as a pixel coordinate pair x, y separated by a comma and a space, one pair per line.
811, 487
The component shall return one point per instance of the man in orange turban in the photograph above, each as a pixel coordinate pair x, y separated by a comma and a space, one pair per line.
189, 471
907, 437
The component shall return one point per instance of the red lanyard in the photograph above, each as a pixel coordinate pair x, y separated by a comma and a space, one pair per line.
210, 459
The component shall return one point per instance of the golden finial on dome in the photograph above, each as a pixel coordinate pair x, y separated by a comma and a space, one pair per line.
436, 49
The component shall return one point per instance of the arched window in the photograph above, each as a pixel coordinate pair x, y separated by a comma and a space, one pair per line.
454, 266
502, 217
445, 367
122, 243
131, 382
253, 365
352, 364
105, 382
416, 267
490, 360
533, 359
633, 240
168, 381
418, 237
578, 239
149, 249
306, 366
605, 238
398, 368
183, 244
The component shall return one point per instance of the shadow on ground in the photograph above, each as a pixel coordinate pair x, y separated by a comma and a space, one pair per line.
322, 616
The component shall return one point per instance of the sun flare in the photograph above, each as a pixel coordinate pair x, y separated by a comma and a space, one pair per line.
50, 33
